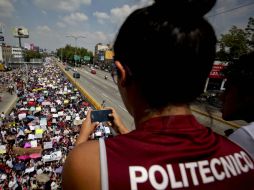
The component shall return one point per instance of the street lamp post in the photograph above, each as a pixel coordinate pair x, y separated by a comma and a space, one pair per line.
62, 55
76, 38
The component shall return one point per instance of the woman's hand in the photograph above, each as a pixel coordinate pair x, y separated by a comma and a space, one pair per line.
87, 129
117, 123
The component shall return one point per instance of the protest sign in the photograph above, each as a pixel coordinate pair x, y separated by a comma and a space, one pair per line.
2, 149
55, 156
47, 145
33, 143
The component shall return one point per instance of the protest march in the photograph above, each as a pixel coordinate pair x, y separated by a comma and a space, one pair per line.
40, 131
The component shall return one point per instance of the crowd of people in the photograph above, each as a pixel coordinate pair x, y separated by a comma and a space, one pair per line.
40, 131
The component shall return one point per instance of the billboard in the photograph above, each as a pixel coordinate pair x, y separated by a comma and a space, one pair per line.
76, 58
102, 48
109, 55
20, 32
216, 71
87, 58
101, 58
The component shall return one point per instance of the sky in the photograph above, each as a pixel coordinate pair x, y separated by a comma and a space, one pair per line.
50, 21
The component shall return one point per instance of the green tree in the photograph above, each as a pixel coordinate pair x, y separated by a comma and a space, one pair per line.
233, 44
30, 54
68, 52
222, 54
250, 33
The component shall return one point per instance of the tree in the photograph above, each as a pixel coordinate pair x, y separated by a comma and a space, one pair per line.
68, 52
222, 54
233, 44
250, 33
30, 54
236, 42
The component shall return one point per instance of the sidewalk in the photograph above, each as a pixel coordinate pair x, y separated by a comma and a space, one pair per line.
8, 102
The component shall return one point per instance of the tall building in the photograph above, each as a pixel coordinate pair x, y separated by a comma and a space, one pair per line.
1, 55
6, 52
101, 48
103, 55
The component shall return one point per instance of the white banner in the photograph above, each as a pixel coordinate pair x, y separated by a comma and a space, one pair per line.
78, 122
55, 156
45, 103
32, 128
60, 113
29, 170
38, 136
55, 115
43, 121
33, 143
22, 116
47, 145
53, 110
30, 136
2, 149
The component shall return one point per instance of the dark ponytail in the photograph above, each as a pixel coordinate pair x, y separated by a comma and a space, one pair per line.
195, 7
168, 53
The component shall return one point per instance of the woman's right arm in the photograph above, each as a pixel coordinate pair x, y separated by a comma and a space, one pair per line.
117, 123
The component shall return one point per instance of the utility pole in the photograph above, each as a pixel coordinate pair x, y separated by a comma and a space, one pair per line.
61, 54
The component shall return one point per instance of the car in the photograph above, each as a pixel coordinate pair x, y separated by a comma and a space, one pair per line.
8, 68
76, 75
67, 68
93, 71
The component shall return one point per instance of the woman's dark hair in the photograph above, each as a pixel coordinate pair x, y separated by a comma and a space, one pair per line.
168, 48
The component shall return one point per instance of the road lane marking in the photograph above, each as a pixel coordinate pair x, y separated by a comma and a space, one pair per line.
122, 108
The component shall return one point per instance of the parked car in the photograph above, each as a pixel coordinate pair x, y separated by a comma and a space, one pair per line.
76, 75
93, 71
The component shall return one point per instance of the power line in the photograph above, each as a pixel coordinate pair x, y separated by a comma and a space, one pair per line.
241, 6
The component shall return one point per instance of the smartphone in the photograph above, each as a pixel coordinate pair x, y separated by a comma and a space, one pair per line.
100, 115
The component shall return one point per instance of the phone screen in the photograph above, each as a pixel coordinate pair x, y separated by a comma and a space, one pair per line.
100, 115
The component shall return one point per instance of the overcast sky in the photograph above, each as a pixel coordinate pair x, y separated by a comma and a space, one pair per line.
49, 21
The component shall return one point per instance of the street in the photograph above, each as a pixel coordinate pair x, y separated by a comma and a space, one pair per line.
101, 89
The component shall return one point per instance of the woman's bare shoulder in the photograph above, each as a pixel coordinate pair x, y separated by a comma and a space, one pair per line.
82, 167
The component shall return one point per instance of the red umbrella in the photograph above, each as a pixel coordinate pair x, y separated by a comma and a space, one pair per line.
23, 157
35, 155
85, 103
